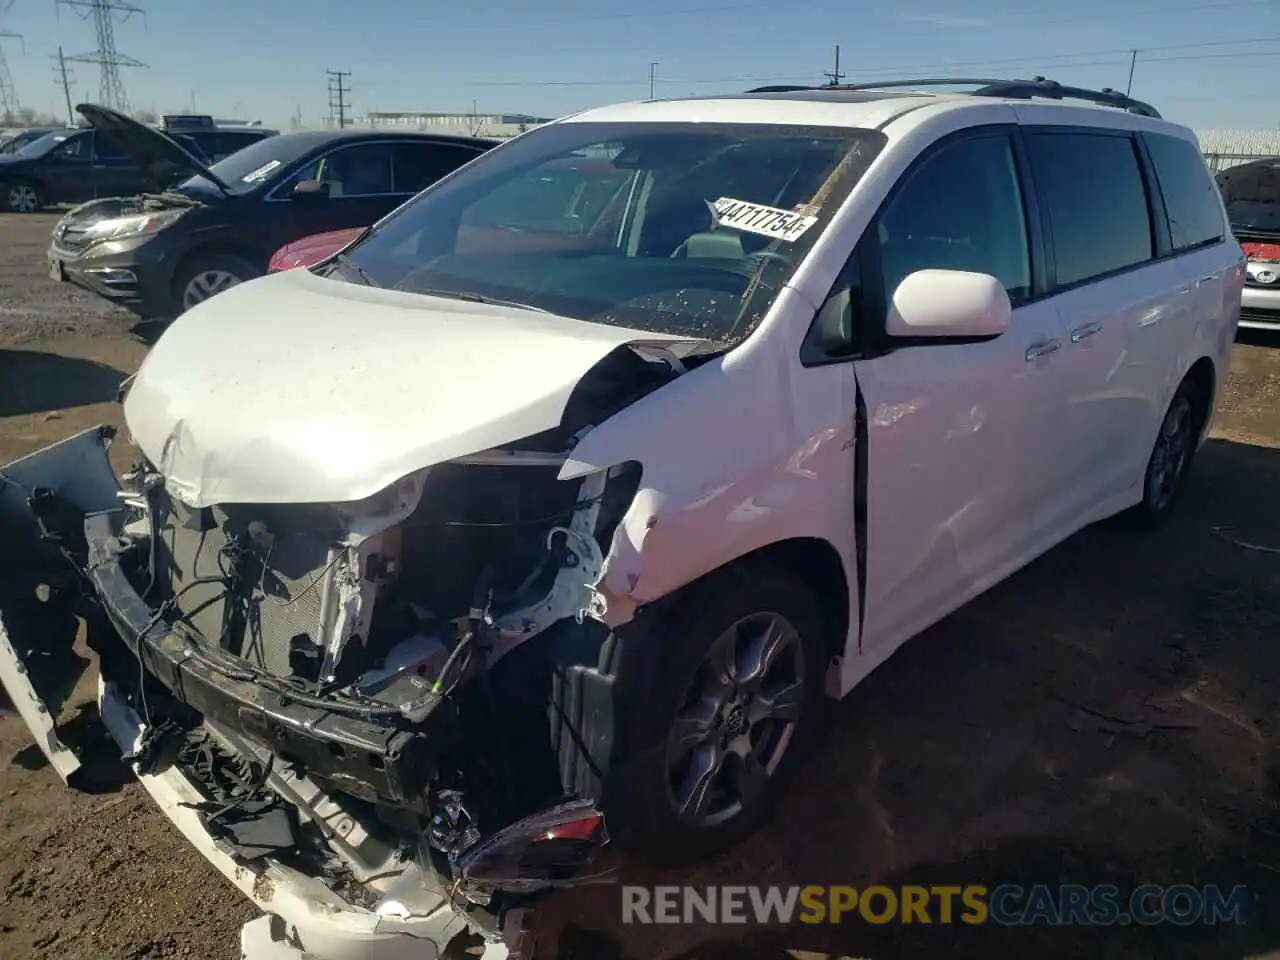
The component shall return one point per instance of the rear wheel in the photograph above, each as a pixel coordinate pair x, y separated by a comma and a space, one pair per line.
1171, 456
738, 694
23, 197
206, 276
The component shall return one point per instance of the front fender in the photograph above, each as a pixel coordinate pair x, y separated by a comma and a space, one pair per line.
41, 576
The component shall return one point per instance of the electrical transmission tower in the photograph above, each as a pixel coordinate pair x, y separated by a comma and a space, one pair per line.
338, 91
8, 96
105, 14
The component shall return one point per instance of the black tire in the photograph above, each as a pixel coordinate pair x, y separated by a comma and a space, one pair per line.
1171, 457
190, 275
643, 814
32, 196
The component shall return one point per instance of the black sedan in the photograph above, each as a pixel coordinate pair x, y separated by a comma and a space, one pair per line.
159, 254
74, 164
16, 141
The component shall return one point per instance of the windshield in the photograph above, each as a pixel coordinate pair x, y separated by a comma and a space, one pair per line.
1251, 194
259, 163
684, 229
41, 145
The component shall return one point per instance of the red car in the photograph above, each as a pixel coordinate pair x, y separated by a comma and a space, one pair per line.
311, 250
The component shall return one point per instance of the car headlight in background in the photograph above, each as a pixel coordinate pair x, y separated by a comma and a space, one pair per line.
118, 228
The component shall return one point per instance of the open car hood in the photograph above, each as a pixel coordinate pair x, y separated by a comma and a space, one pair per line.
163, 160
294, 388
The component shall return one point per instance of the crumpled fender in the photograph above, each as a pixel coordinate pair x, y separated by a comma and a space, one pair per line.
735, 455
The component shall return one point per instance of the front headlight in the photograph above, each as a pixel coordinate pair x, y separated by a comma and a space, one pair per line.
118, 228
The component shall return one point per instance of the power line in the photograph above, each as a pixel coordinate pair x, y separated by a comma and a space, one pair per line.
338, 104
1017, 17
1049, 60
8, 95
105, 14
63, 79
1021, 11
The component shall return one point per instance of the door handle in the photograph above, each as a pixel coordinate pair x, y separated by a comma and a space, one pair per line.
1085, 330
1042, 349
1205, 279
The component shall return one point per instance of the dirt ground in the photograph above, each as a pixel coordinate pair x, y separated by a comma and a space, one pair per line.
1108, 715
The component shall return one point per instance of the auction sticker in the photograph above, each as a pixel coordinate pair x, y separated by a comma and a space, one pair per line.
757, 218
261, 172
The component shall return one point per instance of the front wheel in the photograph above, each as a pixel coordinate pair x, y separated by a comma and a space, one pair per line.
23, 198
737, 696
207, 276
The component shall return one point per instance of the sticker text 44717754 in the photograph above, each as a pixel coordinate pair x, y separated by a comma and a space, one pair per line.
757, 218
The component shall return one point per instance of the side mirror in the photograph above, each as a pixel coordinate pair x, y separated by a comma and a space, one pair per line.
949, 303
310, 190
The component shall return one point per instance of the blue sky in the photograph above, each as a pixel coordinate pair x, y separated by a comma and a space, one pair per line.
1200, 61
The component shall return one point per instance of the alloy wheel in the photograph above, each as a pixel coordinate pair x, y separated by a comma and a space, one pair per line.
205, 284
23, 198
737, 720
1171, 454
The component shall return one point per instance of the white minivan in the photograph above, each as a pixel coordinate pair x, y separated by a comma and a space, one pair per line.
549, 510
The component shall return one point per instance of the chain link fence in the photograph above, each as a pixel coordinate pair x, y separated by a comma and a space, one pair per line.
1224, 149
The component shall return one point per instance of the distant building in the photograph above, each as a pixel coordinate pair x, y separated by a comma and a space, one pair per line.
466, 124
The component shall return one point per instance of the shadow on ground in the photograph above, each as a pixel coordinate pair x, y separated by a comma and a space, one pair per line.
148, 331
1258, 338
35, 382
102, 770
1108, 715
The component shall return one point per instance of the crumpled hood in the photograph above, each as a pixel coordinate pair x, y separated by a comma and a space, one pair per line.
294, 388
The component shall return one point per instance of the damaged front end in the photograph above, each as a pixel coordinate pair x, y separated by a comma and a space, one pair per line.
370, 716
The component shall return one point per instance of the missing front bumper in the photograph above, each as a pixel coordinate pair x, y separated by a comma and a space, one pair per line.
306, 918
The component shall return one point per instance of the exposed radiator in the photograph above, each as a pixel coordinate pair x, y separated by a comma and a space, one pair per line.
285, 599
290, 603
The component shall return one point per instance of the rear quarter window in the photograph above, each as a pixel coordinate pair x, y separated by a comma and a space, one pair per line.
1190, 195
1093, 192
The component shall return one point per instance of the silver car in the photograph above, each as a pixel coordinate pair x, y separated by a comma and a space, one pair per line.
1251, 192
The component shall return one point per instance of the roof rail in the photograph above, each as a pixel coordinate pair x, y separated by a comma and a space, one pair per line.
1011, 89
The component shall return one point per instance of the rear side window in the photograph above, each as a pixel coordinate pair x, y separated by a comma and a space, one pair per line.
1190, 195
1096, 202
418, 165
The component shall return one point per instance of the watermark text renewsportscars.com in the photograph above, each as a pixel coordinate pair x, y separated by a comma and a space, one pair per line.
1003, 904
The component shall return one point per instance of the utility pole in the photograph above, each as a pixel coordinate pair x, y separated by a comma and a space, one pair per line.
64, 81
653, 66
105, 15
834, 75
1133, 62
8, 96
338, 90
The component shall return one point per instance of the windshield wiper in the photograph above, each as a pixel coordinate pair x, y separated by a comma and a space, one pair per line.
343, 260
472, 297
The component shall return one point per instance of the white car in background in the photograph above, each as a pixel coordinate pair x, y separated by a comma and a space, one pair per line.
1251, 192
550, 509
